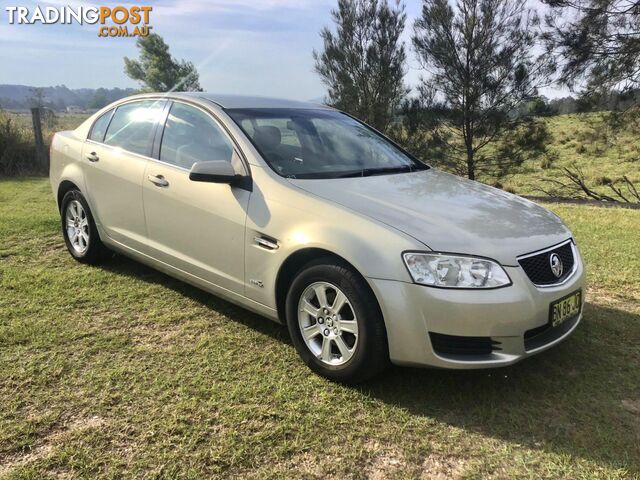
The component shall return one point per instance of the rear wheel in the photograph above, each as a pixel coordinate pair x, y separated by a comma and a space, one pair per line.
79, 229
335, 322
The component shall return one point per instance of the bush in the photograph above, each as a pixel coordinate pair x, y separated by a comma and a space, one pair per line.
17, 149
602, 181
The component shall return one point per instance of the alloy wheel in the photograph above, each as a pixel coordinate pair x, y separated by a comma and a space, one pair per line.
328, 323
77, 225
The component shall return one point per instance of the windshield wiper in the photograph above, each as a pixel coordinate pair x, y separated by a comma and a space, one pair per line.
367, 172
386, 170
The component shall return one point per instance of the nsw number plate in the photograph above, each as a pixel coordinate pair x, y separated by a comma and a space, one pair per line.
565, 308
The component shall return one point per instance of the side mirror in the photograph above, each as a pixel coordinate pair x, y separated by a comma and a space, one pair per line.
218, 171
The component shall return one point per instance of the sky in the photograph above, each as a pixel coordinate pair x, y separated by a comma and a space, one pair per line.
252, 47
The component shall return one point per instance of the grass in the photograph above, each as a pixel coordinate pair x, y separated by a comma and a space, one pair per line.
119, 371
63, 121
18, 152
586, 141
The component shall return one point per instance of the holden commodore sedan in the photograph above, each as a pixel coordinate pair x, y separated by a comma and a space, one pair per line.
309, 217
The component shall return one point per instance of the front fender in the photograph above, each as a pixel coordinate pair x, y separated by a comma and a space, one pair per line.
297, 221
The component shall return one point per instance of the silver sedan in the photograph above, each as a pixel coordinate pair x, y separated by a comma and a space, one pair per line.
311, 218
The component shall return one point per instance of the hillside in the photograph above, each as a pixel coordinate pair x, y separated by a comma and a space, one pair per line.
584, 141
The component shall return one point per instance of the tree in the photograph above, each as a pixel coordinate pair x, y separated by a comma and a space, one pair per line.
540, 106
158, 71
598, 42
480, 70
98, 101
598, 45
363, 62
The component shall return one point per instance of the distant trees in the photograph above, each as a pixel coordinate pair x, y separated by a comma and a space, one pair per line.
362, 63
99, 100
158, 71
481, 70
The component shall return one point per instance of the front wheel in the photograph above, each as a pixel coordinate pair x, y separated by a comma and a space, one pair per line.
335, 322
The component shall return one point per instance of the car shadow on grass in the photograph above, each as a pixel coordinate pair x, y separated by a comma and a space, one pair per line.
580, 398
124, 266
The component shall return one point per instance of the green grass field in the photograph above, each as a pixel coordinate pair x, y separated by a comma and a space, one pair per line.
121, 372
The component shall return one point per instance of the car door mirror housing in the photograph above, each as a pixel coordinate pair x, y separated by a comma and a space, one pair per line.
219, 171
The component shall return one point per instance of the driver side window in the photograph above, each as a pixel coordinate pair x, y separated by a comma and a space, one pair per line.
190, 135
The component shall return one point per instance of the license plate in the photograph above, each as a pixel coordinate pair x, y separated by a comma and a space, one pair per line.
565, 308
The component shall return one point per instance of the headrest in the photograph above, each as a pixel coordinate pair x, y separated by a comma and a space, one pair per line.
267, 137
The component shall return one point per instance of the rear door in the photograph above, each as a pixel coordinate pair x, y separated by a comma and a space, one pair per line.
116, 155
194, 226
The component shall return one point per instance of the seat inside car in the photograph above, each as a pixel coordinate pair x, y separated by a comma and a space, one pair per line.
268, 137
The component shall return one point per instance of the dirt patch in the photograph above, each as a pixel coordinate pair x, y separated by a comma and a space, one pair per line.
631, 406
439, 467
146, 337
47, 444
306, 465
386, 461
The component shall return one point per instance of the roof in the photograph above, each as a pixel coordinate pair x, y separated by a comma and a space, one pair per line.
242, 101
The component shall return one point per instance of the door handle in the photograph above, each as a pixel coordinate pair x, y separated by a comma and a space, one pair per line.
92, 157
158, 180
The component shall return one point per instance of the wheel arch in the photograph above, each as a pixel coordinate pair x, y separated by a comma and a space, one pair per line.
294, 263
63, 188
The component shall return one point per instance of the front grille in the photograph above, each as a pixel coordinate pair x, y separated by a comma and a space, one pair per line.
457, 345
538, 266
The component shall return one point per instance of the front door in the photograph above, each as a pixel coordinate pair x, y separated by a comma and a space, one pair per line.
194, 226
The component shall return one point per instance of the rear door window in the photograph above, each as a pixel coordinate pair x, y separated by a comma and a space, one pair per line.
133, 125
100, 127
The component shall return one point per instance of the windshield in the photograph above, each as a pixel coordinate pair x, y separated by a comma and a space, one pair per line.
308, 143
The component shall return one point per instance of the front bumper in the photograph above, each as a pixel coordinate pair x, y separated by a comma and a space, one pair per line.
512, 317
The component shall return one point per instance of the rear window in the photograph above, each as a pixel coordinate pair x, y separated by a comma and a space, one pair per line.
100, 127
133, 124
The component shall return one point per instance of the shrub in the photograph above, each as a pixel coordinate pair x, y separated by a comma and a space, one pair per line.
17, 149
602, 181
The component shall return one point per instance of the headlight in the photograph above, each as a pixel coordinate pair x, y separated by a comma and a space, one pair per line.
455, 271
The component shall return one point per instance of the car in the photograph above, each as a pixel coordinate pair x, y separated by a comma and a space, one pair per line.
309, 217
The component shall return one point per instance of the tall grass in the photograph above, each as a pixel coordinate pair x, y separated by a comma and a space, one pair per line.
17, 149
18, 155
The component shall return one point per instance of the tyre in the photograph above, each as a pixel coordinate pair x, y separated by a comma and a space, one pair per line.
79, 230
335, 322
